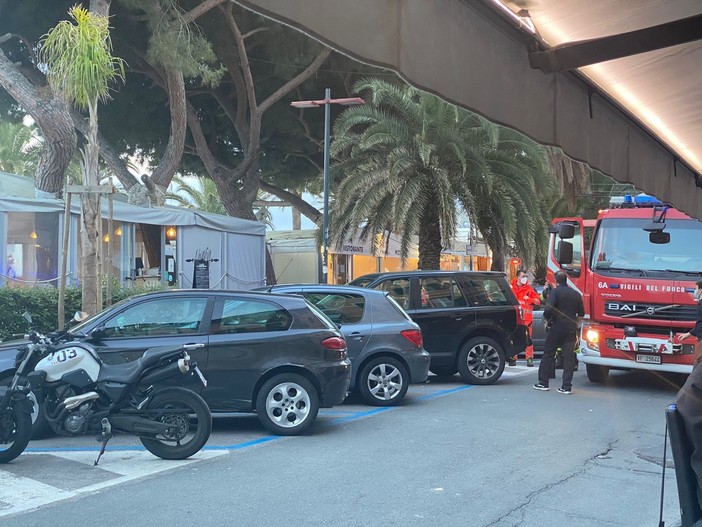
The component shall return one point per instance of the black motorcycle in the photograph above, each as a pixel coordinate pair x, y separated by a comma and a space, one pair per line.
82, 394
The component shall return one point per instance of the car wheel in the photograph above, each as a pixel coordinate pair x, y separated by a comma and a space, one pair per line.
40, 426
444, 371
597, 373
383, 381
287, 404
481, 361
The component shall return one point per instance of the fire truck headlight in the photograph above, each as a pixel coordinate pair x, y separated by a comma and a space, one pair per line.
592, 337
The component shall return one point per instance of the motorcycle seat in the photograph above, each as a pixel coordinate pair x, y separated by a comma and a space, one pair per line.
129, 372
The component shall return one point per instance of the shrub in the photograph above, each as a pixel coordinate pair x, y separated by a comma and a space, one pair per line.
42, 304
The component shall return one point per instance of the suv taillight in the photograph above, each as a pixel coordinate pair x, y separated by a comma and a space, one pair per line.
336, 344
414, 336
520, 315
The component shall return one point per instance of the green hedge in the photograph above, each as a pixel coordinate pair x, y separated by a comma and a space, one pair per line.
42, 304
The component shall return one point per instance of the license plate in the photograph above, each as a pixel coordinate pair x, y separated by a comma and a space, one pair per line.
649, 359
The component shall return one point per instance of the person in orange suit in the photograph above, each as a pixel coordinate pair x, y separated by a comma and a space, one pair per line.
528, 298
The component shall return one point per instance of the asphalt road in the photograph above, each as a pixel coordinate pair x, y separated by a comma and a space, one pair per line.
502, 455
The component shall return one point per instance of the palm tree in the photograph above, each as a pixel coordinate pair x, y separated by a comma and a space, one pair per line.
81, 66
408, 161
201, 193
15, 140
404, 158
510, 209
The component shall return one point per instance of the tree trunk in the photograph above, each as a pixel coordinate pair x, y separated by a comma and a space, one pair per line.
430, 239
170, 161
90, 204
52, 116
294, 200
296, 219
107, 152
497, 247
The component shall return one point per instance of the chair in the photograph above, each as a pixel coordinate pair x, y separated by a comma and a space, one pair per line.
684, 474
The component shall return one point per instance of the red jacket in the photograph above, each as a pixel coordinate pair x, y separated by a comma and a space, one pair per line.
528, 298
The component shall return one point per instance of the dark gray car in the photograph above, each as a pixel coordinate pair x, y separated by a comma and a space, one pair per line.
384, 345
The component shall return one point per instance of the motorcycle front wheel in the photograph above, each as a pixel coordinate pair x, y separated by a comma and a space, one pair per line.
15, 431
190, 423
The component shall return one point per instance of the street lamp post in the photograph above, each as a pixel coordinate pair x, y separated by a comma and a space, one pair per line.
326, 102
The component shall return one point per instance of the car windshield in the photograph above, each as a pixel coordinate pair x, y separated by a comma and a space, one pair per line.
623, 245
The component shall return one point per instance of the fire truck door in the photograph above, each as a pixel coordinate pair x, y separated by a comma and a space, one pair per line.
567, 251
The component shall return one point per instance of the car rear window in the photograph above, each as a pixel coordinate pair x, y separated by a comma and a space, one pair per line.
341, 308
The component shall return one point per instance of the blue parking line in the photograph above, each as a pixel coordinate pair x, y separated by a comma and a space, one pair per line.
361, 415
348, 417
441, 393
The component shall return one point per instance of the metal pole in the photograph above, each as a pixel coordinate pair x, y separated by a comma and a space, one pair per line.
110, 241
64, 261
325, 221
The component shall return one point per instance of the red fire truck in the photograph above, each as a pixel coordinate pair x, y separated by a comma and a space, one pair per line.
636, 266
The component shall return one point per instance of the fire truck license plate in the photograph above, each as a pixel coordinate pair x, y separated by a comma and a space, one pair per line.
649, 359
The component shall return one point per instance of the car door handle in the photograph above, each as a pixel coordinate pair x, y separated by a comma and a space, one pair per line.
193, 347
355, 335
457, 317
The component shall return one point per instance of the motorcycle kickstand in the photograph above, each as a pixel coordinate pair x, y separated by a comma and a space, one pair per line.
104, 438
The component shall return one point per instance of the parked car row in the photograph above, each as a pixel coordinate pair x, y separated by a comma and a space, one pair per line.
287, 350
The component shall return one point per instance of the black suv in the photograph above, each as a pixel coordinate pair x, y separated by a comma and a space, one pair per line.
470, 321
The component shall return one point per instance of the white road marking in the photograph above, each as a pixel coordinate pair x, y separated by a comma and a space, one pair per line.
20, 493
519, 370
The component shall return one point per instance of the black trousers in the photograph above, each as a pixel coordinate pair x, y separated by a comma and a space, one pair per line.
564, 338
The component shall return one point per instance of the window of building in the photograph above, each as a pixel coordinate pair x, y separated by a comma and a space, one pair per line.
32, 248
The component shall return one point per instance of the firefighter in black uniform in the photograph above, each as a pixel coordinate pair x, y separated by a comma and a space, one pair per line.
564, 308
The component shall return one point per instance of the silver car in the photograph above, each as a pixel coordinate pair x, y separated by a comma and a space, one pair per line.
384, 345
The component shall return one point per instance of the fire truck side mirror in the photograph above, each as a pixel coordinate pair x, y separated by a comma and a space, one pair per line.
566, 231
659, 238
565, 253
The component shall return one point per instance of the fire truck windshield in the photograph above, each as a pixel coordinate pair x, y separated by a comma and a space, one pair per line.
622, 245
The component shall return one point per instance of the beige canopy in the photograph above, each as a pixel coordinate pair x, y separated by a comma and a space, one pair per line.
637, 118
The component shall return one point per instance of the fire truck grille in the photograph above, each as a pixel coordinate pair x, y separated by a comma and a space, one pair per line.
677, 312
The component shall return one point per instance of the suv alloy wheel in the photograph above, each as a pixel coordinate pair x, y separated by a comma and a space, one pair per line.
481, 361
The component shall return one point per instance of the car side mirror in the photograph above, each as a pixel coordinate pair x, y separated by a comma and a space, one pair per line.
566, 231
98, 333
565, 253
80, 316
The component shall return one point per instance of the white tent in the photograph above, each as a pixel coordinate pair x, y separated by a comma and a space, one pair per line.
31, 230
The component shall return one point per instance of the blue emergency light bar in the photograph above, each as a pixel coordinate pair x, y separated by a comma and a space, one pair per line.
627, 201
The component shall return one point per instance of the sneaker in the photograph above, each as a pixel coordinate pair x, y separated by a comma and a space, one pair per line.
511, 362
542, 387
563, 391
530, 363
